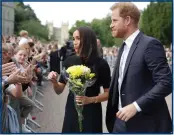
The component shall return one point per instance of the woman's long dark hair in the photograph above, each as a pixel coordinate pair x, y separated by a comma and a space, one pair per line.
88, 44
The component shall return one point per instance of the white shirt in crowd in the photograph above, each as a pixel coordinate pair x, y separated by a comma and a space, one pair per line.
128, 44
23, 40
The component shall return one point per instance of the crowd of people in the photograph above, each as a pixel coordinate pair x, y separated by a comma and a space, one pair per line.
24, 62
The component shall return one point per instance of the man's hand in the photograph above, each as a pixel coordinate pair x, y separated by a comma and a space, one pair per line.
127, 112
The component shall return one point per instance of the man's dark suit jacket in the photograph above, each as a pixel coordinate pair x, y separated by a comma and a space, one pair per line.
147, 80
55, 61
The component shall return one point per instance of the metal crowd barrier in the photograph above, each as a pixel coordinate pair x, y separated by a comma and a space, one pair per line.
36, 90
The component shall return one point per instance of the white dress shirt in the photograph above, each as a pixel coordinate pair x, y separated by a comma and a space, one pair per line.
128, 44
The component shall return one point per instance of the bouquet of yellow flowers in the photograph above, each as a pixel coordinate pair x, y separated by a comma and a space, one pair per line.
79, 78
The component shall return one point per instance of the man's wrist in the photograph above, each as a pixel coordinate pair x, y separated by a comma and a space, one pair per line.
137, 106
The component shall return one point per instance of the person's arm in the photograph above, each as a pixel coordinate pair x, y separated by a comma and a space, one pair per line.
39, 56
101, 97
157, 63
15, 90
58, 87
104, 79
8, 68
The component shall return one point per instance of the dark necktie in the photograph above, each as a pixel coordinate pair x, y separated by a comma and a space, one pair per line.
116, 73
119, 125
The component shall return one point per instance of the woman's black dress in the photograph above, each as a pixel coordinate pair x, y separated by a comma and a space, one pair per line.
92, 113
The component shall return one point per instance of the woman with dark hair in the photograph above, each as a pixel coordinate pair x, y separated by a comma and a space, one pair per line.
85, 45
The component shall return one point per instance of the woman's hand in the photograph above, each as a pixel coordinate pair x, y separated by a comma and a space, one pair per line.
52, 76
16, 77
84, 100
8, 68
28, 73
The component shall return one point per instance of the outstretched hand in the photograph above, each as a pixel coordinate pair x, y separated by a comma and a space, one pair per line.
52, 76
8, 68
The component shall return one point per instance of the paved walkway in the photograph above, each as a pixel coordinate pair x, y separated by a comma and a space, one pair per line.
51, 118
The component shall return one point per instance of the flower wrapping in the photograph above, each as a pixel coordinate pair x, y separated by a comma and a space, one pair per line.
79, 78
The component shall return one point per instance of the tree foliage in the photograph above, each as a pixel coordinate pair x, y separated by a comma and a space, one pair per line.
26, 19
156, 21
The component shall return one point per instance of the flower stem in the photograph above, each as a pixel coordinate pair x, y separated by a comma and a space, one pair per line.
80, 124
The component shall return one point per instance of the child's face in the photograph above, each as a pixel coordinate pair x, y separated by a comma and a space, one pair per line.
21, 56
